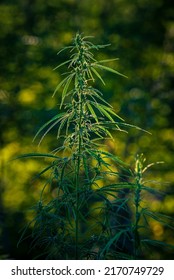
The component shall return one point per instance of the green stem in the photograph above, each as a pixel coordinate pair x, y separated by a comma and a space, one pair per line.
77, 181
77, 199
137, 219
77, 211
80, 73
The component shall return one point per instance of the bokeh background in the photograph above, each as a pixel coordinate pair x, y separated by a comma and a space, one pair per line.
141, 34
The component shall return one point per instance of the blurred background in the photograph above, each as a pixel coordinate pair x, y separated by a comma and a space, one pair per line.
141, 34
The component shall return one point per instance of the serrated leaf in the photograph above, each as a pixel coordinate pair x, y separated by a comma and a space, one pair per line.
37, 155
157, 243
113, 187
107, 60
160, 218
71, 115
97, 133
44, 170
68, 82
98, 75
59, 85
47, 123
46, 132
94, 92
90, 76
113, 157
112, 112
86, 167
108, 69
92, 111
111, 241
153, 190
65, 48
105, 113
106, 131
61, 126
133, 126
101, 46
60, 65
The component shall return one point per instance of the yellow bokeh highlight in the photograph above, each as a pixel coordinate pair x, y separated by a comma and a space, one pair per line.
168, 204
29, 95
157, 230
9, 151
17, 177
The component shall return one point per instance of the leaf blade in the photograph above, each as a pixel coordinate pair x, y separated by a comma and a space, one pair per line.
108, 69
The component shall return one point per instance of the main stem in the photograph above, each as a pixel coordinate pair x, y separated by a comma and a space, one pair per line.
137, 215
137, 218
80, 88
77, 179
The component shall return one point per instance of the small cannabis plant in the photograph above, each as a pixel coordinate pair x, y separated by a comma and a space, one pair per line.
93, 206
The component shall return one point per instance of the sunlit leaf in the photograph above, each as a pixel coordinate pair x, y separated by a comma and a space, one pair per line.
58, 116
108, 69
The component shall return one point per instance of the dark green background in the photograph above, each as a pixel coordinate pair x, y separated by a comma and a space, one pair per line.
141, 33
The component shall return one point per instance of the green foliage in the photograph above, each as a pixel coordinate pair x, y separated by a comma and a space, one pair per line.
87, 215
29, 40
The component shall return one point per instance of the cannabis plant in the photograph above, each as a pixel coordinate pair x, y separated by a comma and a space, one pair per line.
90, 204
